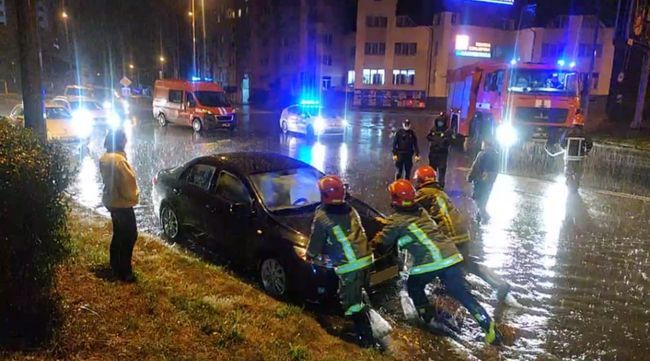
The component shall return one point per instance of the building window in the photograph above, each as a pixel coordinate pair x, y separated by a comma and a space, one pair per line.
376, 21
351, 77
327, 59
553, 50
406, 48
375, 48
404, 21
373, 76
327, 39
403, 77
326, 82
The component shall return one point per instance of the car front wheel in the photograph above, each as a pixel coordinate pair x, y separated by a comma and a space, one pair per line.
162, 121
169, 222
197, 125
274, 278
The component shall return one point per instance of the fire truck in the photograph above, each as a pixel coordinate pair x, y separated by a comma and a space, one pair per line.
512, 101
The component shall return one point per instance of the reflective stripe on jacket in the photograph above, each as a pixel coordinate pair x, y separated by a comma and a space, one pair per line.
120, 187
440, 207
416, 232
338, 233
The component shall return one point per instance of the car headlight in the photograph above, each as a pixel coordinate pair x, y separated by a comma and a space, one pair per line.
319, 125
83, 122
506, 134
114, 120
345, 123
107, 105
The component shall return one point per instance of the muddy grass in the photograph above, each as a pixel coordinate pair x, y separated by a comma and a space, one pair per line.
182, 308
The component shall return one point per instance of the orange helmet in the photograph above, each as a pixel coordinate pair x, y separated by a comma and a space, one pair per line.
425, 174
402, 193
332, 190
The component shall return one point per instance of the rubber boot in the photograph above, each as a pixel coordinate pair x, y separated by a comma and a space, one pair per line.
493, 336
362, 329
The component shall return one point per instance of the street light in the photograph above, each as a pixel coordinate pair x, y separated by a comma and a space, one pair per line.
162, 59
190, 14
64, 15
131, 66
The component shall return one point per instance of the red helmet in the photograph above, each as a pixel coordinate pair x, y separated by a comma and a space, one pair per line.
425, 174
332, 190
402, 193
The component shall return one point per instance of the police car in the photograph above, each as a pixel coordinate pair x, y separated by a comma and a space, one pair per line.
312, 119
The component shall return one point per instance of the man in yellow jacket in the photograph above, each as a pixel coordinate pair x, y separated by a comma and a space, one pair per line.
119, 197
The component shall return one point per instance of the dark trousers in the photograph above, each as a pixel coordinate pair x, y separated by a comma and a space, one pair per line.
125, 233
350, 291
404, 165
481, 194
439, 163
455, 286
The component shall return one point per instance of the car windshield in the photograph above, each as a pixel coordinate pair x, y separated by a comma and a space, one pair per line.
212, 99
85, 105
79, 92
543, 80
57, 113
288, 189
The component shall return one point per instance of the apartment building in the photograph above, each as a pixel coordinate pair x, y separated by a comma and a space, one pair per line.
400, 63
283, 49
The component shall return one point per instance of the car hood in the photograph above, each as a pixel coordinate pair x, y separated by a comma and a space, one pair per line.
298, 222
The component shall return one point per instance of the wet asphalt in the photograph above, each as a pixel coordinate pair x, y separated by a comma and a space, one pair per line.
579, 263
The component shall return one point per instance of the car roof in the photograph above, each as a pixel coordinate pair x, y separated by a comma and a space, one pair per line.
247, 163
48, 104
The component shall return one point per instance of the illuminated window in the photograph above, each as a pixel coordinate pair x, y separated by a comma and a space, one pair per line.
326, 82
403, 77
373, 76
351, 76
462, 42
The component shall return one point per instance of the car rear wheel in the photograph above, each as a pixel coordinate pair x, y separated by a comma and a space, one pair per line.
197, 125
273, 276
169, 221
162, 121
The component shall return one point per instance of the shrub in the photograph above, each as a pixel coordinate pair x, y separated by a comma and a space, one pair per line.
34, 238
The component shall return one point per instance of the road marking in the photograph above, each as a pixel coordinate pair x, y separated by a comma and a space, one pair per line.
624, 195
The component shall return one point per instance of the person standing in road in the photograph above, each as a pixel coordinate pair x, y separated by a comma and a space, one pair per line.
119, 197
405, 147
433, 254
577, 145
453, 224
339, 239
439, 141
483, 174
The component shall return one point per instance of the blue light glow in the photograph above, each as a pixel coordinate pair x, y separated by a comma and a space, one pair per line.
309, 102
501, 2
513, 61
572, 64
561, 62
207, 79
196, 78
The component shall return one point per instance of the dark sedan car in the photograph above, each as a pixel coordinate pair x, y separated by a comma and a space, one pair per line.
257, 208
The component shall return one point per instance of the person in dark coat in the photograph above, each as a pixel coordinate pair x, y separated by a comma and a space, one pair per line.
483, 174
439, 138
405, 147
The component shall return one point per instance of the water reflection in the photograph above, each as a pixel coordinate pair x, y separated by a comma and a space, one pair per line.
497, 236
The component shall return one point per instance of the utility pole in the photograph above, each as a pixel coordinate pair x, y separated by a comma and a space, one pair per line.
592, 63
639, 28
30, 66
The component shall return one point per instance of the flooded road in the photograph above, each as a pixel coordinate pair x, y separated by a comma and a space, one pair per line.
579, 264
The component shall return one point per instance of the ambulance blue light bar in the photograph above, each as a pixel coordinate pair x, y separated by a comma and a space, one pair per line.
500, 2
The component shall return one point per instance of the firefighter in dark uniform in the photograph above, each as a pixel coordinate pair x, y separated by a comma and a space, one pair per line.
483, 174
434, 256
439, 141
405, 146
577, 145
452, 223
339, 239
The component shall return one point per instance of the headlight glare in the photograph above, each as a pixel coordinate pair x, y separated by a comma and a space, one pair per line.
506, 134
82, 122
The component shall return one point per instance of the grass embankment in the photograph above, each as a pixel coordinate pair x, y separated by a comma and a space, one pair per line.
182, 308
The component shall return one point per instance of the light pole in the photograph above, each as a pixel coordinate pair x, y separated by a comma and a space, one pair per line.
64, 17
162, 66
192, 13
